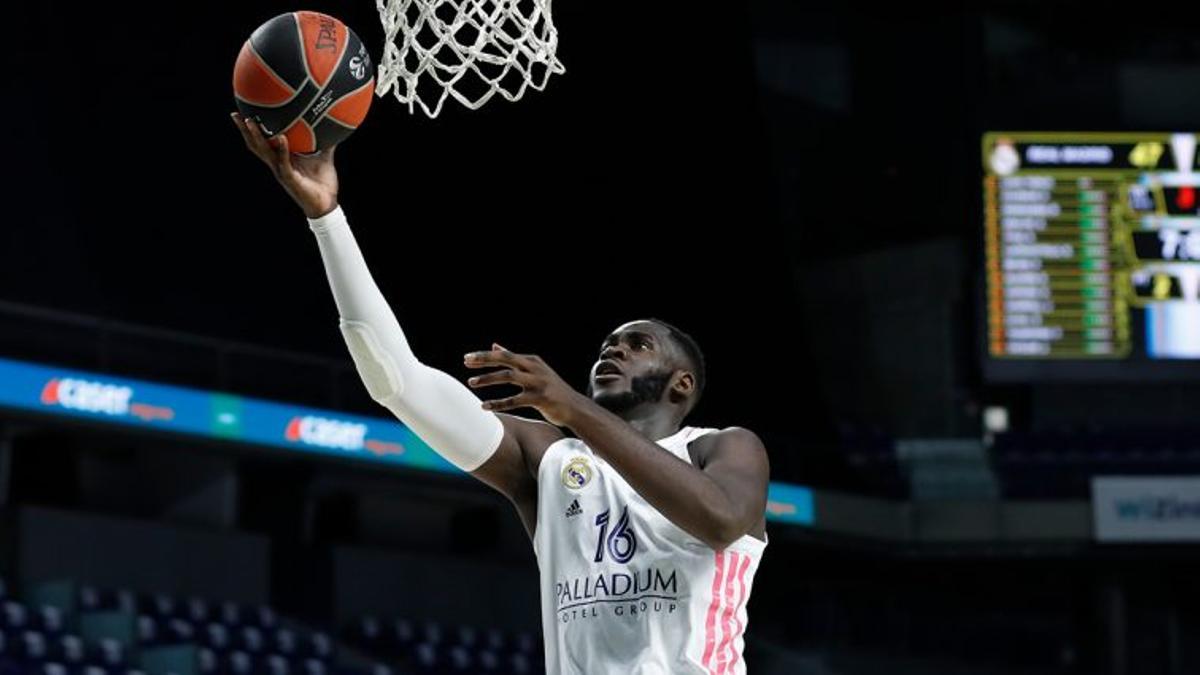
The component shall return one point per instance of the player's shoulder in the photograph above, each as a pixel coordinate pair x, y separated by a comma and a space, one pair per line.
533, 436
739, 438
727, 434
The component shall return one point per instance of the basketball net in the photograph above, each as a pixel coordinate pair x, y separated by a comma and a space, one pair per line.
468, 49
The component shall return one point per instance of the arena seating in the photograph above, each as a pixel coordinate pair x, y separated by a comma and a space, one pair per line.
64, 628
436, 649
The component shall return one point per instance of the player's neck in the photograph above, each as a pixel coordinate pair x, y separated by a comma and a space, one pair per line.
652, 424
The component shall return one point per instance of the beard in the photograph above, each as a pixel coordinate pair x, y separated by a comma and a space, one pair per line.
647, 388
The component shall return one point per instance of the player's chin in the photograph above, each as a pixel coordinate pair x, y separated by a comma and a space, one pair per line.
605, 390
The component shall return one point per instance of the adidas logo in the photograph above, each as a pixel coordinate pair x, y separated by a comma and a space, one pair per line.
573, 509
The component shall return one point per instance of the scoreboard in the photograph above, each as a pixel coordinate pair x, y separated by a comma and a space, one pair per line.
1092, 255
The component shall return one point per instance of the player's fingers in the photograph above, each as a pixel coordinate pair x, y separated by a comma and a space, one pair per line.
283, 156
491, 358
510, 403
506, 376
258, 142
241, 127
526, 361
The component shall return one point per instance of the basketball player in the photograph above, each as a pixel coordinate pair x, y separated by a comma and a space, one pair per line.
647, 533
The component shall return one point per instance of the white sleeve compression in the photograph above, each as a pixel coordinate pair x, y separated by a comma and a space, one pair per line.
438, 408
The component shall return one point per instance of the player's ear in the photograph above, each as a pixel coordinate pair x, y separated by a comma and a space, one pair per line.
683, 385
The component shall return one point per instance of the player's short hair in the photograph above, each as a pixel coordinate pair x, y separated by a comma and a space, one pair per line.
691, 350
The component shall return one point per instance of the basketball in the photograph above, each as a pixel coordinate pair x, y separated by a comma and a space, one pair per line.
307, 76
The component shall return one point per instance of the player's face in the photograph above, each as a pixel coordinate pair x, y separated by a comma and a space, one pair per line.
635, 367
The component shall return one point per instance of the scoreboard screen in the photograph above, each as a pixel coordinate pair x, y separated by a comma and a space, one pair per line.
1092, 256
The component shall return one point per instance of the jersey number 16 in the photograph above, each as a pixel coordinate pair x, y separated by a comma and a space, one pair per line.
621, 543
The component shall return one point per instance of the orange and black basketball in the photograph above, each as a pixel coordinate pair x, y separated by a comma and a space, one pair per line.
305, 75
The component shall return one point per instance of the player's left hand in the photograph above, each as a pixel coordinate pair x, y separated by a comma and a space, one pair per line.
541, 387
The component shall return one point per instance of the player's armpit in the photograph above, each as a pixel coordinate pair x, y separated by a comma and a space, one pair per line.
512, 469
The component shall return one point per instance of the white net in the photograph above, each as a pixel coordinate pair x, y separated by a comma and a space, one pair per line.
468, 49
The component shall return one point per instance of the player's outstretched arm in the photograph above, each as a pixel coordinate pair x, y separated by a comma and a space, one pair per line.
439, 409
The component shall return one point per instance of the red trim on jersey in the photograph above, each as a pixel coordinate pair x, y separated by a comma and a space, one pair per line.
737, 633
710, 636
730, 602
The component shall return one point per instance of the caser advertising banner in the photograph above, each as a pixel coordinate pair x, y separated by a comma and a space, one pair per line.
110, 399
127, 402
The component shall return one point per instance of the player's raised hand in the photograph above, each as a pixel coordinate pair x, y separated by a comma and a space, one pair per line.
311, 180
541, 387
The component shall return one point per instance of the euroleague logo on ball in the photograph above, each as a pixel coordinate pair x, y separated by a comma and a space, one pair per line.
358, 64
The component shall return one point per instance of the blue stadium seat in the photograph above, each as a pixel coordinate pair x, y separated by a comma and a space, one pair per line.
425, 657
318, 645
91, 599
147, 630
31, 645
369, 629
313, 667
466, 636
459, 659
217, 636
381, 669
250, 639
207, 661
125, 600
92, 669
404, 635
161, 605
494, 640
177, 631
108, 652
521, 664
230, 614
488, 661
284, 642
13, 615
263, 617
372, 636
275, 664
69, 649
432, 633
197, 610
49, 620
526, 642
52, 668
239, 663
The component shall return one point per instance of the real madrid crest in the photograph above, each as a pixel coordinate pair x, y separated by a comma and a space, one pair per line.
577, 473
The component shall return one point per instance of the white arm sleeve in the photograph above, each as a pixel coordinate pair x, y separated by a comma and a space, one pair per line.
437, 407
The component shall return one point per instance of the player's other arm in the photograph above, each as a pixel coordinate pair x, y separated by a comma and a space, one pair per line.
438, 408
718, 503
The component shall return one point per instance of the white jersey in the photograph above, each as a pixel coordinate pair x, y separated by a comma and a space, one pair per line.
623, 589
